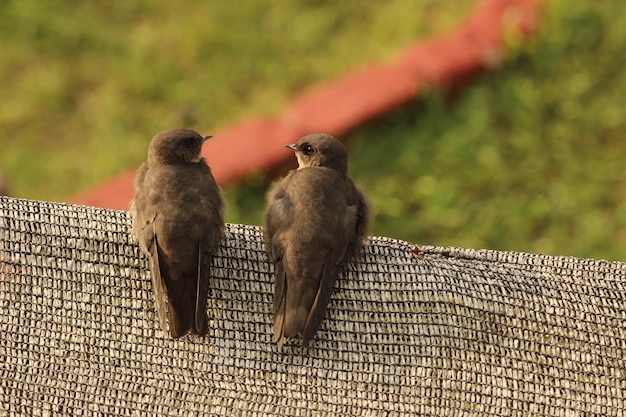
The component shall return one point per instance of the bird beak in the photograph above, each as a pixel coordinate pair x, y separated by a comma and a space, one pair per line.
205, 138
292, 146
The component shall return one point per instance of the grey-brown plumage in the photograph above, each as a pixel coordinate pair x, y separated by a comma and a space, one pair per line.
178, 222
315, 222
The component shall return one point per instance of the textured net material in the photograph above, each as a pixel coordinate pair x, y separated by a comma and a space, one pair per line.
443, 332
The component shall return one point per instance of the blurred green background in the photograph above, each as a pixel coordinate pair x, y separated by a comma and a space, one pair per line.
529, 158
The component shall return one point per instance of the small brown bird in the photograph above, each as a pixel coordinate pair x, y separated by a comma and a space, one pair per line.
178, 222
315, 222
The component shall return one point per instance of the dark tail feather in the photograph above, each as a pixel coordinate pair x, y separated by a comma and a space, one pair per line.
201, 325
179, 326
280, 302
158, 286
318, 309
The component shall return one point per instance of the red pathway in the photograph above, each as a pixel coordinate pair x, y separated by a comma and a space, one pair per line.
340, 105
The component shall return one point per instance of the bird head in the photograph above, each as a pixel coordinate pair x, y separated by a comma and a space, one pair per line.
320, 150
176, 146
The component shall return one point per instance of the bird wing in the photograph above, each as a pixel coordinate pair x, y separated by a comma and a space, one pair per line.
212, 201
318, 308
363, 218
158, 285
341, 244
280, 303
356, 220
143, 233
278, 218
150, 246
202, 288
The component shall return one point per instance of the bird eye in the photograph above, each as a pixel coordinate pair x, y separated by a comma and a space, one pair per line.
308, 149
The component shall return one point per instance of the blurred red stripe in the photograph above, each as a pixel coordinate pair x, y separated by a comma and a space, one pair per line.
340, 105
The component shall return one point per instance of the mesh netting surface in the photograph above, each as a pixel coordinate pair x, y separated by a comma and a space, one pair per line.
440, 332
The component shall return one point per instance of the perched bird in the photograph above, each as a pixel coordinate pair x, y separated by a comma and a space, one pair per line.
178, 222
315, 222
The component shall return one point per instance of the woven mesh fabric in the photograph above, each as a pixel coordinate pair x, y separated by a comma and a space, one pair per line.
443, 332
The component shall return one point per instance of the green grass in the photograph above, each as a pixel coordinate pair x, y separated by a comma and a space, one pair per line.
529, 158
85, 86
